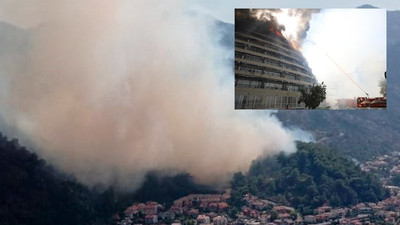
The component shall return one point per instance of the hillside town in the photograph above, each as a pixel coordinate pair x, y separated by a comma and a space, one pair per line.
214, 209
207, 209
387, 168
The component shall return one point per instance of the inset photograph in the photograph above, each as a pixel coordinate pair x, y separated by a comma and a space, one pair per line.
292, 59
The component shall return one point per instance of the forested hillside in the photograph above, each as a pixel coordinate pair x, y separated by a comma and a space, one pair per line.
32, 192
311, 177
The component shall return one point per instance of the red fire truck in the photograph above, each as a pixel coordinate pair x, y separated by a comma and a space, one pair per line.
365, 102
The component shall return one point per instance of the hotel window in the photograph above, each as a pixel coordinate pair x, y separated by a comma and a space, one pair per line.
238, 55
239, 45
243, 83
258, 71
256, 84
244, 68
258, 102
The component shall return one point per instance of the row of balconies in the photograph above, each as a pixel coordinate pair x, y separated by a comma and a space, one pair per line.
271, 71
263, 49
270, 55
287, 49
267, 38
272, 62
266, 102
242, 83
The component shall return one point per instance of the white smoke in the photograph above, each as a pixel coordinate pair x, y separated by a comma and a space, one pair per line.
346, 45
109, 90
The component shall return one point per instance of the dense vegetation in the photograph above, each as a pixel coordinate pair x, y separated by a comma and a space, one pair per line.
166, 189
309, 178
32, 192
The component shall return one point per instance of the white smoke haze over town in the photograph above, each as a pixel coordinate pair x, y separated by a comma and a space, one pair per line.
109, 90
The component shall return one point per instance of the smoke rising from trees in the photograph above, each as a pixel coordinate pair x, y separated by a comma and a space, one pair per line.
109, 90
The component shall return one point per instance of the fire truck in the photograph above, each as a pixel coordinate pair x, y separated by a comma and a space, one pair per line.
365, 102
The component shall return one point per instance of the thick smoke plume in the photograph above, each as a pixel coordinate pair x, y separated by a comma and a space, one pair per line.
109, 90
303, 25
292, 23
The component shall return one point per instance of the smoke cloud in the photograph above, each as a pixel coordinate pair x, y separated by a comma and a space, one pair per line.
292, 23
109, 90
342, 40
305, 16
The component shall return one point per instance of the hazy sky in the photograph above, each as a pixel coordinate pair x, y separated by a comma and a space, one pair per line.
223, 10
220, 9
355, 39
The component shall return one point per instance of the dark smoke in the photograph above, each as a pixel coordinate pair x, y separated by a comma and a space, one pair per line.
260, 20
256, 20
304, 25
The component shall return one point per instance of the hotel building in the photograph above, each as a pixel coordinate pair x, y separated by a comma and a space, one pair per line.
268, 71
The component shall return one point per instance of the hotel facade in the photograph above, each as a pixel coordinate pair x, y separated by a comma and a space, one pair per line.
268, 71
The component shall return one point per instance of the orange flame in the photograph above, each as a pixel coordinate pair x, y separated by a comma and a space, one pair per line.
272, 29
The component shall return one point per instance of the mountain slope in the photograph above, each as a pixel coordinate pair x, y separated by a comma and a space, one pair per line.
32, 192
309, 178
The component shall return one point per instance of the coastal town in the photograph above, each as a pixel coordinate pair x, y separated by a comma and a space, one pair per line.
214, 209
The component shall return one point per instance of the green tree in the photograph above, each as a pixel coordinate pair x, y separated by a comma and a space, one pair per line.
313, 96
233, 212
239, 180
